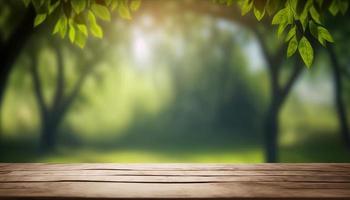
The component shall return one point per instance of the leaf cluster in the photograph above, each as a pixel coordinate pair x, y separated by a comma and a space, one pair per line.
77, 19
298, 21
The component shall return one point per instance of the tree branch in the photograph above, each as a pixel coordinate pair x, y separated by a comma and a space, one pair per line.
59, 91
273, 61
338, 96
37, 85
297, 69
69, 99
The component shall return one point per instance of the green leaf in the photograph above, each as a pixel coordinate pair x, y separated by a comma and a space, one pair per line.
315, 15
246, 6
313, 29
83, 29
39, 19
108, 2
61, 26
304, 20
124, 11
281, 29
259, 14
78, 5
113, 4
37, 4
71, 32
324, 34
80, 39
334, 7
52, 7
290, 14
280, 17
95, 29
306, 51
292, 32
135, 5
272, 6
293, 6
292, 46
26, 2
101, 12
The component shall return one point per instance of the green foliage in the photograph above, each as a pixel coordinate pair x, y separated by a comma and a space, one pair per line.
306, 51
79, 18
298, 21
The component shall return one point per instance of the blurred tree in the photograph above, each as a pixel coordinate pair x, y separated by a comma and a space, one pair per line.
339, 96
340, 70
16, 29
279, 93
275, 59
53, 113
299, 17
10, 48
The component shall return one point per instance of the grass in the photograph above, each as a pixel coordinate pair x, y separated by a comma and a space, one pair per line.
25, 150
134, 156
325, 148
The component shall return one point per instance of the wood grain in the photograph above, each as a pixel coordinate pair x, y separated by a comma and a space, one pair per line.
175, 181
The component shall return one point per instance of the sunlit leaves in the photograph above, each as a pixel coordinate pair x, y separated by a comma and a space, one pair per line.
78, 5
259, 14
40, 18
246, 6
135, 5
292, 33
95, 29
306, 51
61, 26
297, 21
315, 15
324, 34
292, 46
78, 18
71, 32
101, 12
81, 35
124, 11
280, 17
337, 6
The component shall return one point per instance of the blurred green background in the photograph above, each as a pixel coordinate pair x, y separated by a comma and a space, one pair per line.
172, 85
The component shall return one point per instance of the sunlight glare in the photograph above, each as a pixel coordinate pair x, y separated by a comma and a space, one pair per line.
141, 49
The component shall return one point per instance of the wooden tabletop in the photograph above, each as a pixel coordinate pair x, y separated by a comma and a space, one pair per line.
175, 181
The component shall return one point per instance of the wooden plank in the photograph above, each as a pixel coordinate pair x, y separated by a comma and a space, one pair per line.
175, 181
173, 173
186, 167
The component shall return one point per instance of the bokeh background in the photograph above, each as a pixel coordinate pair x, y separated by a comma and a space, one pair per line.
183, 81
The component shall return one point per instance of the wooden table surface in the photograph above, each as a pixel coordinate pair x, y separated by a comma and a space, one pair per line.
175, 181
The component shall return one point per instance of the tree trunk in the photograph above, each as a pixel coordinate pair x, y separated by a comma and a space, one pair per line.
47, 140
271, 130
49, 131
339, 101
278, 96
